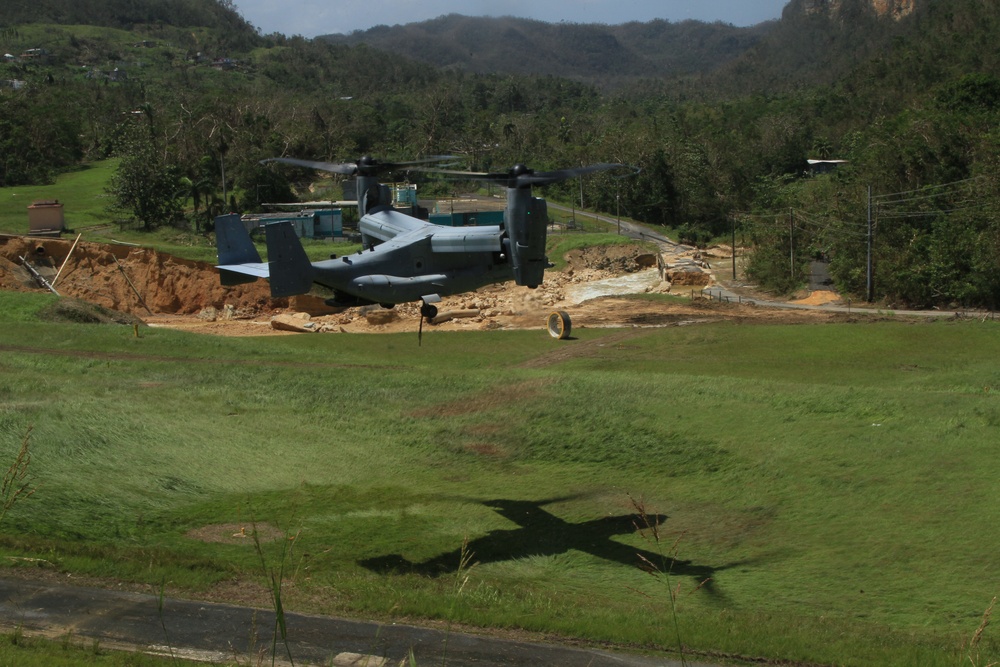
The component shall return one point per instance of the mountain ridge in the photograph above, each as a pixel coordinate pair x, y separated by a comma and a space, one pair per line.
509, 45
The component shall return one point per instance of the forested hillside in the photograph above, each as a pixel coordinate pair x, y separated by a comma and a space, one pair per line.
126, 14
610, 56
910, 100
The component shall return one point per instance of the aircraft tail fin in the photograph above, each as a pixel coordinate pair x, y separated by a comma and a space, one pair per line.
233, 242
290, 268
239, 261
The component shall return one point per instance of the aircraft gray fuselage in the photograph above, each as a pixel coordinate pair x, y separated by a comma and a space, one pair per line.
405, 259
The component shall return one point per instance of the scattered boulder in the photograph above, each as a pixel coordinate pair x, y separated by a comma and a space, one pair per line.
447, 316
297, 322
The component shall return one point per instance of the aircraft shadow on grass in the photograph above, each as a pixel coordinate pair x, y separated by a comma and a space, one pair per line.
544, 534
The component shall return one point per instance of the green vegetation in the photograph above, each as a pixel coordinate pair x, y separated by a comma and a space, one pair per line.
819, 494
834, 483
910, 102
81, 191
614, 56
560, 244
17, 649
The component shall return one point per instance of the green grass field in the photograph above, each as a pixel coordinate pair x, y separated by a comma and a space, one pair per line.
834, 483
83, 195
81, 192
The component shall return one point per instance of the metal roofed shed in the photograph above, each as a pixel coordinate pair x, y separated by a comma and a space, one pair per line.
824, 166
310, 224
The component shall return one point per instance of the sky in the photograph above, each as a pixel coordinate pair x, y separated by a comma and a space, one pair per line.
310, 18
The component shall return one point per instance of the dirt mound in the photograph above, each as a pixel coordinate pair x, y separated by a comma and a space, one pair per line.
167, 291
127, 279
614, 259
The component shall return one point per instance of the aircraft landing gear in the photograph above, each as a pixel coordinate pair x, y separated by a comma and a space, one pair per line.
428, 311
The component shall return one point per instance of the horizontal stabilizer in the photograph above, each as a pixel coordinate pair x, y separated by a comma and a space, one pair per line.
239, 274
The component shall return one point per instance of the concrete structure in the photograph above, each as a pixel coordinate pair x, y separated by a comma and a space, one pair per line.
46, 217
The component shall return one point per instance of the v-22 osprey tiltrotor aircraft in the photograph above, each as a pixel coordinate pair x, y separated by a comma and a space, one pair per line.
403, 258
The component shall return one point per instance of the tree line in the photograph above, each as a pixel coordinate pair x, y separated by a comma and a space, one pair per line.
711, 154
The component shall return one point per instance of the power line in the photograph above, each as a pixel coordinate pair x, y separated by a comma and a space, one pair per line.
928, 187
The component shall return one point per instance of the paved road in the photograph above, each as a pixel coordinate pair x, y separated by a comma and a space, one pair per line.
629, 229
721, 293
640, 232
218, 632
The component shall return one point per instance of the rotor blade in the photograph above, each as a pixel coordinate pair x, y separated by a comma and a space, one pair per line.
512, 180
350, 168
477, 175
549, 177
346, 168
430, 159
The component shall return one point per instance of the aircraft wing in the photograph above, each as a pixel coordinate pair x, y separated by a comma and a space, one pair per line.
386, 224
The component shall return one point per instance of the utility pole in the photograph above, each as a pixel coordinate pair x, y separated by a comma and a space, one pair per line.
733, 218
791, 242
618, 205
225, 194
870, 292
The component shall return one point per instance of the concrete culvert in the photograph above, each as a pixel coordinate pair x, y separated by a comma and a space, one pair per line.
559, 325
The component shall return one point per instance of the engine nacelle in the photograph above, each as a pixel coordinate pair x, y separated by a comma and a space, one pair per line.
526, 223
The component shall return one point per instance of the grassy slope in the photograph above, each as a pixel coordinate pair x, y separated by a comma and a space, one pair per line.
835, 482
16, 649
81, 192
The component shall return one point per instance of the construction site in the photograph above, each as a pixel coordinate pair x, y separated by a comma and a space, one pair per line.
163, 290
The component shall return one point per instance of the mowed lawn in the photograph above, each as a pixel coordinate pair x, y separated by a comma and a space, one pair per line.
824, 493
81, 192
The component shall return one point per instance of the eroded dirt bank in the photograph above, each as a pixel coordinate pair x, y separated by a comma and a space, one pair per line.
168, 291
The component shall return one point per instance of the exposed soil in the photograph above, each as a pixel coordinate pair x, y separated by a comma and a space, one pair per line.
105, 274
236, 533
164, 290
